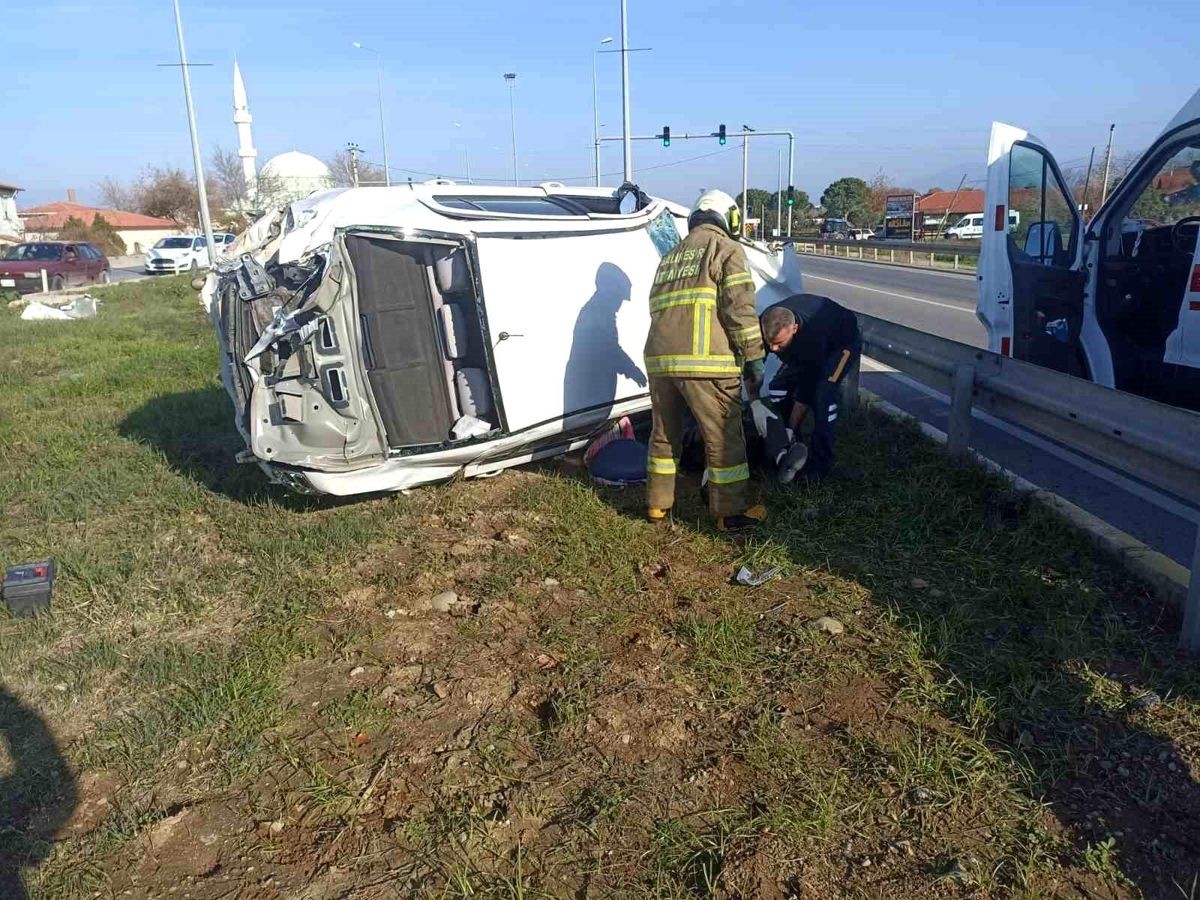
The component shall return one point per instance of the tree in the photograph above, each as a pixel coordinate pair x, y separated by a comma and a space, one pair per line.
880, 187
847, 198
116, 195
167, 194
100, 233
229, 179
758, 197
368, 173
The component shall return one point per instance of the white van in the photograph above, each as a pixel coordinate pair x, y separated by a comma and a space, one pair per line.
1116, 300
971, 227
379, 338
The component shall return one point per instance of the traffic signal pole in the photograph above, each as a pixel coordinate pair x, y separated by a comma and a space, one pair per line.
745, 135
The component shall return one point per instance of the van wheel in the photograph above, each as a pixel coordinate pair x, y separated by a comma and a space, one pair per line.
57, 283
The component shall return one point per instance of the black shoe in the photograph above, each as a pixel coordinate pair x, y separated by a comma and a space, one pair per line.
792, 462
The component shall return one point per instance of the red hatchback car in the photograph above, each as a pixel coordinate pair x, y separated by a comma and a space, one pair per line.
66, 263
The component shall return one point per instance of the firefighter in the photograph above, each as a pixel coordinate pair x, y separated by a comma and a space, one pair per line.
704, 338
818, 343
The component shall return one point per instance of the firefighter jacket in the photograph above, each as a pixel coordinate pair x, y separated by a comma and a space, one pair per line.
704, 278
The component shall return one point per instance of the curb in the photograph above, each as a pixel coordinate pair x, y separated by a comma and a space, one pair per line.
1167, 578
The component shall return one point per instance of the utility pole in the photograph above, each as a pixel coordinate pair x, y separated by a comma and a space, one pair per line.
387, 170
353, 149
1107, 164
1087, 184
626, 125
511, 78
778, 193
746, 129
596, 115
202, 193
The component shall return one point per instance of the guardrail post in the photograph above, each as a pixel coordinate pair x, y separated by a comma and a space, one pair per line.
875, 251
892, 255
45, 284
955, 262
1189, 637
958, 433
912, 259
931, 259
850, 385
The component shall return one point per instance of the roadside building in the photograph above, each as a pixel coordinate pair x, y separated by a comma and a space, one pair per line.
941, 209
139, 232
11, 227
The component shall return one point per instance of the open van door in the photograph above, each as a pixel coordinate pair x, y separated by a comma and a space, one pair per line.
1031, 286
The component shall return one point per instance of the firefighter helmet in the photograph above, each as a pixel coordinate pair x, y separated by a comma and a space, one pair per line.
722, 206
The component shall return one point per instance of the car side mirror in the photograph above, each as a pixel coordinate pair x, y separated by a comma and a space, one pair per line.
1044, 243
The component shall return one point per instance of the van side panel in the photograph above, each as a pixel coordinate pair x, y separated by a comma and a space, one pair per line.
402, 356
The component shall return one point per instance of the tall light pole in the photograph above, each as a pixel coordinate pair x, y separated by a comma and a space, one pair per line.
596, 115
466, 156
625, 123
511, 78
201, 192
746, 129
778, 193
387, 172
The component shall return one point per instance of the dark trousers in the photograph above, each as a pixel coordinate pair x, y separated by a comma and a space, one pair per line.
817, 386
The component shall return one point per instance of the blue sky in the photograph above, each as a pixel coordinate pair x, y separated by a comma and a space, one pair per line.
909, 88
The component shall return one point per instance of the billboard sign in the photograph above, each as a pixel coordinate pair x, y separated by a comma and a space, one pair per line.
899, 212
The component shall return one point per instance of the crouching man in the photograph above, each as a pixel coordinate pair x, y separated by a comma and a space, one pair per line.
817, 342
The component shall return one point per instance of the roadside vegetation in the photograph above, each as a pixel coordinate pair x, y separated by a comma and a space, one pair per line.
246, 692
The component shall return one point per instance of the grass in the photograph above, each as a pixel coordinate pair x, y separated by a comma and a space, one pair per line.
608, 714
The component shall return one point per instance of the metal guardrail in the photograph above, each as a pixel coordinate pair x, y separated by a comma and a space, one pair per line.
891, 252
1146, 440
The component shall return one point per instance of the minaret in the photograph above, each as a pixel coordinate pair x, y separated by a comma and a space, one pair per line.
242, 119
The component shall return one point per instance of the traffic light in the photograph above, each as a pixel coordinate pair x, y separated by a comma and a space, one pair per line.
791, 196
721, 135
666, 135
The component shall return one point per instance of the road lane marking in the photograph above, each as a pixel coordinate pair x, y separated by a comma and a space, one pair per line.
851, 284
1136, 488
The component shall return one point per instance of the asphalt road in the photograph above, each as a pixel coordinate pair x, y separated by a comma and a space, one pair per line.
943, 303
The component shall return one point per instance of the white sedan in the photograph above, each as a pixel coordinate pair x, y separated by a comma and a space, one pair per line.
186, 253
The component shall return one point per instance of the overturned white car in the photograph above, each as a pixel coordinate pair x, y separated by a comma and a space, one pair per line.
378, 338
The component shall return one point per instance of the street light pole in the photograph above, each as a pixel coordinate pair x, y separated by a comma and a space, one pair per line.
625, 123
387, 172
596, 116
511, 78
201, 192
746, 129
466, 156
778, 192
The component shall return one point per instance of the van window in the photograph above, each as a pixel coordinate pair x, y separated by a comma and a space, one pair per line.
524, 206
1173, 193
1036, 192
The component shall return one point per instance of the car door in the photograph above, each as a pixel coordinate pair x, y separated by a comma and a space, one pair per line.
74, 268
1031, 289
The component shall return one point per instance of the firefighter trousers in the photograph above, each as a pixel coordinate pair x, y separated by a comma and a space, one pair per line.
716, 405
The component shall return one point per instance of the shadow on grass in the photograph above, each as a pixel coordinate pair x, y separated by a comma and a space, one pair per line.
195, 431
1023, 635
37, 797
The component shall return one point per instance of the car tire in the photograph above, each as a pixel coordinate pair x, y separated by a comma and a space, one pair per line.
57, 283
103, 277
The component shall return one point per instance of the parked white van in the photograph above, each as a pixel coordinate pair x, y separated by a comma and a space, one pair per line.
970, 227
1115, 300
378, 338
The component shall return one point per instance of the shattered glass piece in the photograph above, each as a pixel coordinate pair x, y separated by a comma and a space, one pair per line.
749, 578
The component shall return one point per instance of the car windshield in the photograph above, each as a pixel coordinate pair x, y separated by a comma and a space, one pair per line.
173, 243
43, 252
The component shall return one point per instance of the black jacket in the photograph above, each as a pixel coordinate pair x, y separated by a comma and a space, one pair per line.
825, 328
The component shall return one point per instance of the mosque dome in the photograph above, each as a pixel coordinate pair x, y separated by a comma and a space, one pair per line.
294, 175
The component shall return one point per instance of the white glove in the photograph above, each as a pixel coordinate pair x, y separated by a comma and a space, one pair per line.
762, 414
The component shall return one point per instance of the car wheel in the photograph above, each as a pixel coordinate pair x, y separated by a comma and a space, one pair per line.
103, 277
57, 283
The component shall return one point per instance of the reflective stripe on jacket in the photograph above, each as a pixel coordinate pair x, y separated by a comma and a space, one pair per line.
703, 278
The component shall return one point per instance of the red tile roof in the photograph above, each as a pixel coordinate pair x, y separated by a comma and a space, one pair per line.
969, 200
52, 216
1174, 180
